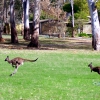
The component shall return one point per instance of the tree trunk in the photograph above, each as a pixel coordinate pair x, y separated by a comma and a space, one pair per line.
35, 35
4, 6
73, 35
26, 19
1, 28
3, 17
22, 27
14, 38
1, 39
0, 35
5, 22
95, 25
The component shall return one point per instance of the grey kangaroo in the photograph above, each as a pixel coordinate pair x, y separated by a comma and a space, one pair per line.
16, 62
95, 69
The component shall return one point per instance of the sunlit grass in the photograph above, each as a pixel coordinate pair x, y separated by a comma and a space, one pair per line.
57, 75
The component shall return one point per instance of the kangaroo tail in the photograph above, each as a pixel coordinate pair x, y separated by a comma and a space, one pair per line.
35, 60
31, 60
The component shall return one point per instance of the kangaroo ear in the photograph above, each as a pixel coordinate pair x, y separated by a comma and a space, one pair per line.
91, 63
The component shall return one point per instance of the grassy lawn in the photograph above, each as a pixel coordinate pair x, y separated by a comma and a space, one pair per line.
60, 73
57, 75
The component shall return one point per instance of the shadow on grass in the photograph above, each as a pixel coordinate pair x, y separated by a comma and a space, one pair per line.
67, 43
51, 43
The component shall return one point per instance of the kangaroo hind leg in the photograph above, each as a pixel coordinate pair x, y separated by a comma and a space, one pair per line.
14, 72
16, 68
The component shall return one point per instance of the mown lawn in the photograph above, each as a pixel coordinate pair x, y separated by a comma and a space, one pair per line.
57, 75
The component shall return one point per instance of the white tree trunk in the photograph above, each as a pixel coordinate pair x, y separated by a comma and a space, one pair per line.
26, 13
26, 19
95, 25
72, 17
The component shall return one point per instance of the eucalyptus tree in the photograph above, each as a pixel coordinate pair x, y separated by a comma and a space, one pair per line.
95, 25
36, 19
5, 9
4, 6
5, 18
14, 37
72, 8
26, 19
1, 18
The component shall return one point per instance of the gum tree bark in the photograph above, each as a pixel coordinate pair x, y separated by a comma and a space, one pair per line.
26, 19
4, 4
36, 17
1, 28
14, 38
95, 25
72, 17
0, 33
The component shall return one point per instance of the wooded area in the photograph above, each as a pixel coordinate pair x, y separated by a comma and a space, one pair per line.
24, 11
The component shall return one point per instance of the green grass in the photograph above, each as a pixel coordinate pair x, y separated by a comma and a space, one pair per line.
57, 75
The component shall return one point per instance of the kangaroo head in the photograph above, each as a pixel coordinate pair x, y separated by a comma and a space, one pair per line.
7, 58
90, 64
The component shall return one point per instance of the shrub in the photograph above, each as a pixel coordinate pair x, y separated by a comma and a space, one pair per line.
85, 35
82, 35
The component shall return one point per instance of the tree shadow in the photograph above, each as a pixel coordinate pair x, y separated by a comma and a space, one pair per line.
68, 43
51, 44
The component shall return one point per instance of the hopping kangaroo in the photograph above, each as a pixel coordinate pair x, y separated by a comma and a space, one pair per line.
16, 62
95, 69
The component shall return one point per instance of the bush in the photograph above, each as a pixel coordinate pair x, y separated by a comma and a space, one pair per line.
84, 35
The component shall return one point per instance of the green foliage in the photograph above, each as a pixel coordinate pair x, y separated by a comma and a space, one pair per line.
98, 8
85, 35
18, 9
18, 5
84, 9
67, 8
90, 35
81, 15
45, 15
31, 17
82, 35
81, 10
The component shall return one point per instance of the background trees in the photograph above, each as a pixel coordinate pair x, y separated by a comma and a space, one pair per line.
80, 8
80, 12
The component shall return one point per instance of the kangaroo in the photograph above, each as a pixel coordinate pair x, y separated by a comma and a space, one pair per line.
16, 62
95, 69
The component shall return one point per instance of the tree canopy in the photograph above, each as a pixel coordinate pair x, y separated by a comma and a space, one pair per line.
81, 10
67, 8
